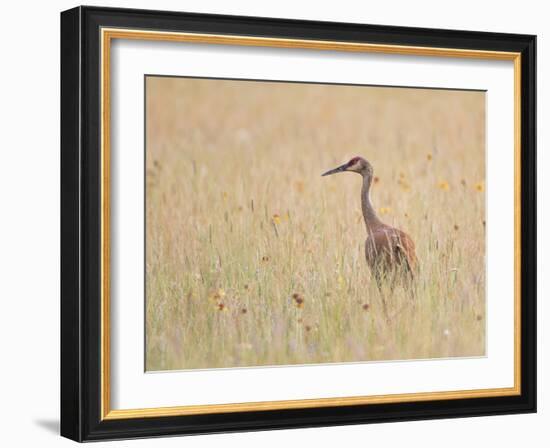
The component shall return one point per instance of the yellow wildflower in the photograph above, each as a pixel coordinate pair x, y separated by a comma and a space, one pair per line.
444, 185
404, 185
217, 295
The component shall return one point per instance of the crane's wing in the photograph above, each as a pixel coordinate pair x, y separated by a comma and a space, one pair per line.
405, 252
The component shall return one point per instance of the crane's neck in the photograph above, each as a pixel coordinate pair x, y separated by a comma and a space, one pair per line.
369, 214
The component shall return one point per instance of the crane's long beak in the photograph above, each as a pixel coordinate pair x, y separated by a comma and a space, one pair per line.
336, 170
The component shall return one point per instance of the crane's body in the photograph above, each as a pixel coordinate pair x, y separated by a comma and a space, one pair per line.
390, 252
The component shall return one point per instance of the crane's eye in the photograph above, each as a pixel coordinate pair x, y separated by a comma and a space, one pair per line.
353, 161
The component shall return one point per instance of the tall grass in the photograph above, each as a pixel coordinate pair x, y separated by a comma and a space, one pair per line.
253, 259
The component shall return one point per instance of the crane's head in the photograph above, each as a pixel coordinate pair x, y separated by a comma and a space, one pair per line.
356, 165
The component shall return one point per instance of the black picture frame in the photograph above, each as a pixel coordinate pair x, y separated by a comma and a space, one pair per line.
81, 226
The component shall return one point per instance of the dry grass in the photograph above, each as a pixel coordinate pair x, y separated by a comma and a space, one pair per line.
254, 259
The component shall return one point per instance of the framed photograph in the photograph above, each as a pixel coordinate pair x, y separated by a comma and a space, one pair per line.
272, 223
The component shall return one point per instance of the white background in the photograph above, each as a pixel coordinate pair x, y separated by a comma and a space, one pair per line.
29, 234
132, 388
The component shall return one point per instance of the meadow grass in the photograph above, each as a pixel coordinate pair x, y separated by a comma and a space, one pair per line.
253, 259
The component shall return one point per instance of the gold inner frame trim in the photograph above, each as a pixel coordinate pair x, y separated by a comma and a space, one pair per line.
107, 35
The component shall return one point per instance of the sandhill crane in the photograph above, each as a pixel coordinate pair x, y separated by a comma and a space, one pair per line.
389, 251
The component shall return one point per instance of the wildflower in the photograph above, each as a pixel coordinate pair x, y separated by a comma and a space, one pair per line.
376, 179
444, 185
404, 185
217, 295
365, 306
298, 300
244, 311
385, 210
225, 195
479, 186
221, 307
276, 219
341, 280
429, 157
